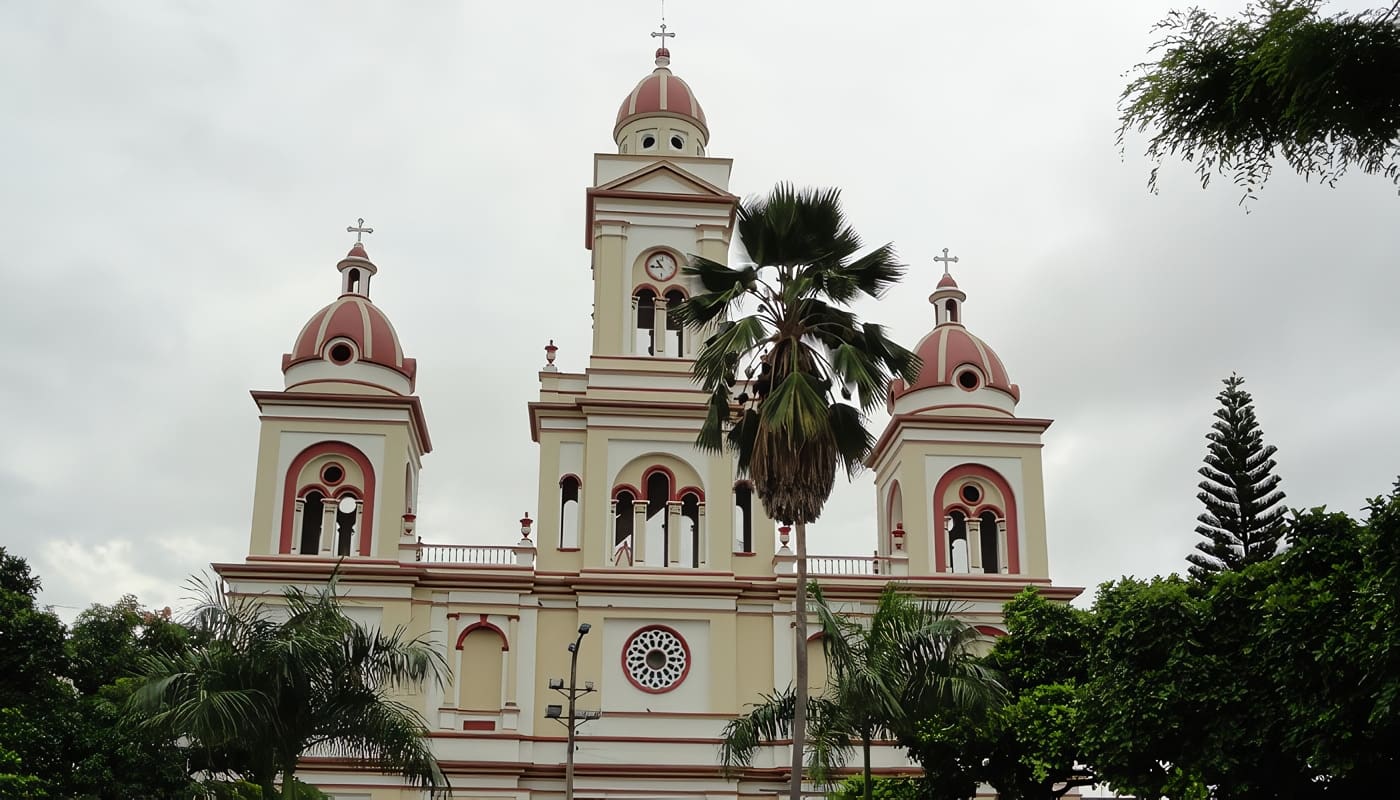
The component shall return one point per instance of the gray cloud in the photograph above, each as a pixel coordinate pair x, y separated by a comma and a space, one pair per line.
177, 179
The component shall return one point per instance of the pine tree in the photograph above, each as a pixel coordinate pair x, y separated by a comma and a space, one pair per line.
1243, 520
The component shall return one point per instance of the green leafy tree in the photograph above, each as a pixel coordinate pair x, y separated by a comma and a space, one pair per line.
781, 320
1280, 81
1244, 517
910, 658
257, 691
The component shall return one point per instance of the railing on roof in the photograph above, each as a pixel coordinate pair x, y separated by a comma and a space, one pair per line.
785, 563
475, 554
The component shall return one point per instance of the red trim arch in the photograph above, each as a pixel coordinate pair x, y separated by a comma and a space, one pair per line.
695, 490
960, 472
289, 492
645, 285
990, 630
479, 625
569, 475
627, 487
670, 476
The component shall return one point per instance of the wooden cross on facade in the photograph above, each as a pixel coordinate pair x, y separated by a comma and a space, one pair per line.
359, 230
945, 258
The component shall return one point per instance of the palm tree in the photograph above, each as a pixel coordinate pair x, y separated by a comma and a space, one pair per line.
908, 660
788, 426
257, 689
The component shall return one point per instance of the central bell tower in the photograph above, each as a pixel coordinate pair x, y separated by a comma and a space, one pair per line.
622, 484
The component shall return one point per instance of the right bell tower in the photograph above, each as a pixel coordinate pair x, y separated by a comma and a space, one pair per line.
958, 475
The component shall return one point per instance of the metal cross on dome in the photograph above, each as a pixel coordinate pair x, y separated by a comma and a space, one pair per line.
663, 34
945, 258
359, 229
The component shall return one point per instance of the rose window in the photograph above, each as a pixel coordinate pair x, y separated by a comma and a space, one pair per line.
656, 659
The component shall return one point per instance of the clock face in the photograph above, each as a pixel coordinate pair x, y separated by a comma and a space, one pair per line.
661, 266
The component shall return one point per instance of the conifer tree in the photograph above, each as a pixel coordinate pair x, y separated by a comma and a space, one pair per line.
1243, 520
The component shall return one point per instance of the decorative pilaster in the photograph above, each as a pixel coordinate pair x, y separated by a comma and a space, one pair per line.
673, 532
974, 544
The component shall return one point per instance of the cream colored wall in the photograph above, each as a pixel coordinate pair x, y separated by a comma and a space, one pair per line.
281, 439
910, 467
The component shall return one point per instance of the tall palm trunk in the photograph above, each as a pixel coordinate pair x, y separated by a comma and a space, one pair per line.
799, 712
869, 791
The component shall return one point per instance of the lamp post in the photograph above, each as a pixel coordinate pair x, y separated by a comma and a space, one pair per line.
575, 717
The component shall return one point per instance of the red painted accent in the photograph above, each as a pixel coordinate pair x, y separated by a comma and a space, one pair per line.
670, 479
962, 348
377, 343
348, 491
947, 282
567, 476
478, 725
357, 250
328, 466
695, 490
744, 482
680, 101
990, 630
963, 471
626, 487
636, 290
479, 624
301, 495
816, 636
351, 453
689, 659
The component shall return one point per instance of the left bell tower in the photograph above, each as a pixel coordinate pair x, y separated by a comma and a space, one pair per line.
342, 443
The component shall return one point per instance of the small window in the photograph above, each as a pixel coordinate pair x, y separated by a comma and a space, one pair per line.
341, 353
967, 379
648, 141
333, 474
971, 494
677, 142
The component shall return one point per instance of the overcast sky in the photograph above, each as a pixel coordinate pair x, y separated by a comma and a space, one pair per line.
177, 179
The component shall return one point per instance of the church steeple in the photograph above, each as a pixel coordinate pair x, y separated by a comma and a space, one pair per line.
661, 116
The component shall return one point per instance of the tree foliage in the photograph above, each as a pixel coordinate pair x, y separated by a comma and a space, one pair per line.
263, 685
1277, 680
1244, 516
1282, 80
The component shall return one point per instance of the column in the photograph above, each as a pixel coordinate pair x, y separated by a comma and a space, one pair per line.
702, 544
639, 531
1003, 554
946, 545
631, 328
673, 532
660, 344
359, 527
974, 544
298, 520
329, 507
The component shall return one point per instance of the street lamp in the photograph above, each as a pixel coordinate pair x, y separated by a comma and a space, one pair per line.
575, 717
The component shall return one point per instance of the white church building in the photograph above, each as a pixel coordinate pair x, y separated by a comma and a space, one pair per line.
660, 548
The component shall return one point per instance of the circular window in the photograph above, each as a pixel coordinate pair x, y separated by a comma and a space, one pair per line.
648, 141
656, 659
341, 353
677, 143
971, 493
333, 474
967, 379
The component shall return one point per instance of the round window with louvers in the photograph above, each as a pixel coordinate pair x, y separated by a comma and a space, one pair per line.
656, 659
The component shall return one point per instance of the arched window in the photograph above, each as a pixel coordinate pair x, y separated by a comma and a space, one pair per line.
568, 511
989, 536
675, 332
895, 513
690, 529
957, 543
352, 281
311, 523
743, 516
658, 522
645, 303
622, 518
952, 308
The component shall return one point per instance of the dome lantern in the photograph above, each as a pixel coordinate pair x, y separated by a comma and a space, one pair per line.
661, 115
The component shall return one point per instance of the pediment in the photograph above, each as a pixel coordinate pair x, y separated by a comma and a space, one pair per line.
663, 177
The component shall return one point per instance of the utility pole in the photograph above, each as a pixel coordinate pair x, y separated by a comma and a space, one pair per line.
575, 717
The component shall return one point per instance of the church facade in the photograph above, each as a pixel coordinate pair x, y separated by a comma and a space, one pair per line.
662, 550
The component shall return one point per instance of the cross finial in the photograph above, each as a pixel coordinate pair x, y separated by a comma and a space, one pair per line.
945, 258
359, 229
663, 34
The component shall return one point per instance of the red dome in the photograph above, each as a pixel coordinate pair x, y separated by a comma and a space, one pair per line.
947, 282
662, 94
355, 318
950, 346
